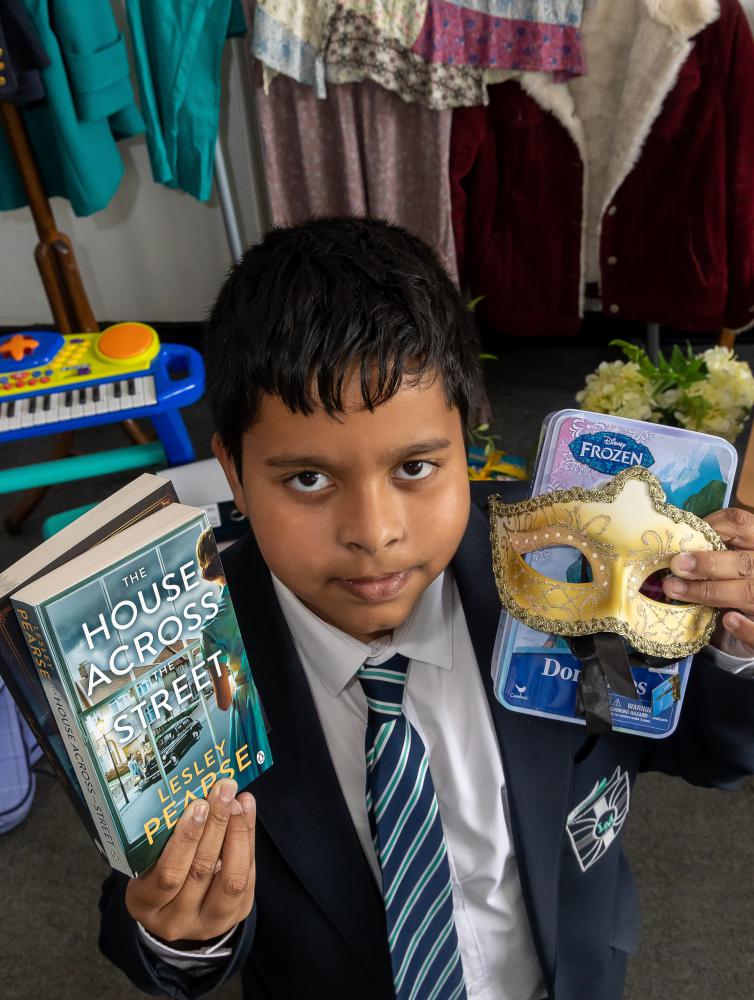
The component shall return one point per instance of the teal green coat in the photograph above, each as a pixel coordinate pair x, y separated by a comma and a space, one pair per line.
178, 47
90, 104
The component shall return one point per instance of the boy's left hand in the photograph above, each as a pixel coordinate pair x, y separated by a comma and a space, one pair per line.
722, 580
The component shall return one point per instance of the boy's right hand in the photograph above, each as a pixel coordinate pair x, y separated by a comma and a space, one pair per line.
186, 895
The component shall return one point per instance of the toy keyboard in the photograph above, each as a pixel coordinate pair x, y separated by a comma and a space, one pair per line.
50, 382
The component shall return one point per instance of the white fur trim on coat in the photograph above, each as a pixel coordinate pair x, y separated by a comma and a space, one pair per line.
634, 51
684, 17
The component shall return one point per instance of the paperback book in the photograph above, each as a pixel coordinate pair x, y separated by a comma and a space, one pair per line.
138, 499
536, 673
140, 656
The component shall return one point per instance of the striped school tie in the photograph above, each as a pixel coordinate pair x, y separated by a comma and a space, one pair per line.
408, 838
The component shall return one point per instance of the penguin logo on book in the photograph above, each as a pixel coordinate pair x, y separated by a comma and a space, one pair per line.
260, 757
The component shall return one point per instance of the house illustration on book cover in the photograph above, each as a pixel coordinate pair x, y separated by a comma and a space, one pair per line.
156, 672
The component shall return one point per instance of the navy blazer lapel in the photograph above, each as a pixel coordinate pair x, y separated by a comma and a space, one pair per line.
299, 800
537, 753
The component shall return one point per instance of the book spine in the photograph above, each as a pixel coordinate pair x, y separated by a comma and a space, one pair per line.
65, 715
20, 676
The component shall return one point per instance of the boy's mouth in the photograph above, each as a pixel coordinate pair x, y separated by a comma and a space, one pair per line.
376, 588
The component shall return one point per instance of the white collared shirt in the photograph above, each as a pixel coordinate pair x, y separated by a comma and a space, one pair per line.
445, 701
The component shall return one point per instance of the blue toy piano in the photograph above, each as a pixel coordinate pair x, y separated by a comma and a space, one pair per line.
51, 383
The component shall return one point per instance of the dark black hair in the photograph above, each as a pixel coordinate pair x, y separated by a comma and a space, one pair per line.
311, 301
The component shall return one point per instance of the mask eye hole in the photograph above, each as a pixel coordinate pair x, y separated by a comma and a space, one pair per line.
561, 563
652, 588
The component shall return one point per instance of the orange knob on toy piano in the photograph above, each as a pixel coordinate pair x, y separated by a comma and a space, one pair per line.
128, 344
18, 347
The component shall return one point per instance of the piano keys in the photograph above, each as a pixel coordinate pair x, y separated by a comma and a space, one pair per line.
73, 404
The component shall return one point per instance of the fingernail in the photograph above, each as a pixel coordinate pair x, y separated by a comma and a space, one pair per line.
235, 808
248, 804
732, 622
199, 812
228, 788
684, 563
676, 586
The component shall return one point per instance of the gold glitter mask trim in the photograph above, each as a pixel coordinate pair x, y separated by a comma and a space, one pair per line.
627, 532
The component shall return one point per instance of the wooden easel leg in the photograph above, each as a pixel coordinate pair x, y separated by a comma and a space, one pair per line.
137, 435
727, 339
46, 267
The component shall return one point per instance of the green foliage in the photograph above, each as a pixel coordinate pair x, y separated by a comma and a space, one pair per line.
695, 407
471, 306
707, 500
636, 354
680, 371
480, 437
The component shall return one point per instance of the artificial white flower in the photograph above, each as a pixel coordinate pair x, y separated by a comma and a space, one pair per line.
728, 392
618, 387
718, 404
668, 400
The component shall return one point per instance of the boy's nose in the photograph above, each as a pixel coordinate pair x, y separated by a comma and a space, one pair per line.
371, 521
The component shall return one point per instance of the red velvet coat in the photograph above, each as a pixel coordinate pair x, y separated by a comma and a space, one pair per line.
674, 233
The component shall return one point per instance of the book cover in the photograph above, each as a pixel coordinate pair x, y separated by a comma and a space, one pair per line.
145, 649
141, 497
538, 674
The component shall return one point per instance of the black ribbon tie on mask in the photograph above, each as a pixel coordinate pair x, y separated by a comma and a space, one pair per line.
604, 668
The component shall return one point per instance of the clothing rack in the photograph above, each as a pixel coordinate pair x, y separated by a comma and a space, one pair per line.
227, 204
259, 200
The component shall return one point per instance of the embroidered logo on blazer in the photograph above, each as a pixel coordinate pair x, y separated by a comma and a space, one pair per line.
595, 823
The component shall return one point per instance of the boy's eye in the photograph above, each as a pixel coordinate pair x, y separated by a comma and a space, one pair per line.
309, 482
415, 470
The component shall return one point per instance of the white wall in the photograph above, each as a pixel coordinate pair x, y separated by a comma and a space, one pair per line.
153, 253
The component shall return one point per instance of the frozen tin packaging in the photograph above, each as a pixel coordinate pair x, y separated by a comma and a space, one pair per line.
537, 673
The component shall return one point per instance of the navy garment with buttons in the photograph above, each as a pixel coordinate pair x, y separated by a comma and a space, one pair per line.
22, 56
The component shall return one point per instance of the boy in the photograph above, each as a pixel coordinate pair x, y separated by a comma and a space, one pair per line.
340, 365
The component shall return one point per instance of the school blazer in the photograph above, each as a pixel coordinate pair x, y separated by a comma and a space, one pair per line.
318, 928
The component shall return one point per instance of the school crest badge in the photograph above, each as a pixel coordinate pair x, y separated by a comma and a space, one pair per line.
595, 823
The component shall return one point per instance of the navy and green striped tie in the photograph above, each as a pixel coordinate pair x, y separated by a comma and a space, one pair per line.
408, 838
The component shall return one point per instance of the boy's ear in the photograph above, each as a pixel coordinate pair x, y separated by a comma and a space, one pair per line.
229, 468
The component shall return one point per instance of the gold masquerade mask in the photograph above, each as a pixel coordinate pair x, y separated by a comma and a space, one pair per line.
627, 532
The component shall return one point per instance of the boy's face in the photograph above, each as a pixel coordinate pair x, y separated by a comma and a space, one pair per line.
356, 513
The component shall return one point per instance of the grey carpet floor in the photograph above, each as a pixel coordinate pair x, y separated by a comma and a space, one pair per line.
692, 849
